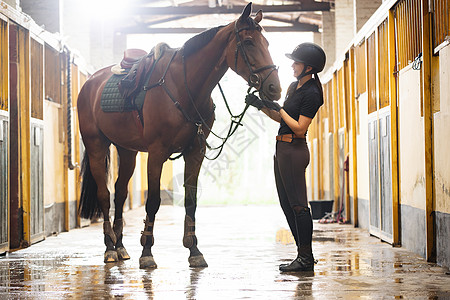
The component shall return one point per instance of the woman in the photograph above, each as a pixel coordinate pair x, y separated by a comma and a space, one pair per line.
303, 99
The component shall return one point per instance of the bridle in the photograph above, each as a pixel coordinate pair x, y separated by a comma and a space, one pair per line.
254, 79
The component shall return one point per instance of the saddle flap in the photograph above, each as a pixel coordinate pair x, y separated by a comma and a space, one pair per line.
131, 57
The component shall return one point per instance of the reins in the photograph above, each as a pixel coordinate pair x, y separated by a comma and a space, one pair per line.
234, 124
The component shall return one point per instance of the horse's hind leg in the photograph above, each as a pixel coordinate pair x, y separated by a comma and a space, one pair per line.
127, 163
193, 161
98, 152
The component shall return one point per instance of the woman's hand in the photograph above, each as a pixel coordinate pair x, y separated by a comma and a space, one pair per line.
272, 105
253, 100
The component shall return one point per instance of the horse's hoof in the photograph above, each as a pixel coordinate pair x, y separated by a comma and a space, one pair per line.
111, 256
146, 262
197, 262
122, 253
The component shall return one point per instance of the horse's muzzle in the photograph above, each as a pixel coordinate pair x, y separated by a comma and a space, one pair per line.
270, 90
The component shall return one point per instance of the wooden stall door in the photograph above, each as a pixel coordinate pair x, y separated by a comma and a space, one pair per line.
381, 94
374, 190
384, 123
4, 143
37, 143
4, 224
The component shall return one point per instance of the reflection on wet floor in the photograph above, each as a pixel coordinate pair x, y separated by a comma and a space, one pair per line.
243, 246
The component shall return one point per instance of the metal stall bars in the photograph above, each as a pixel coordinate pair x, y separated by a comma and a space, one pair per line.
408, 25
441, 24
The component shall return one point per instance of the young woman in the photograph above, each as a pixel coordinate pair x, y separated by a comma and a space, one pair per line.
303, 99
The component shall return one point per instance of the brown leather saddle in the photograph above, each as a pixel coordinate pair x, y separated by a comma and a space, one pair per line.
138, 67
137, 64
131, 57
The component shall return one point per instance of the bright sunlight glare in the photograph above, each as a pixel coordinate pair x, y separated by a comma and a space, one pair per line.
103, 9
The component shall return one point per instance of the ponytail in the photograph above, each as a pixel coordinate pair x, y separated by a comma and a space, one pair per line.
319, 85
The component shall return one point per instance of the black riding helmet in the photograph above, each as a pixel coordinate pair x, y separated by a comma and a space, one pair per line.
311, 55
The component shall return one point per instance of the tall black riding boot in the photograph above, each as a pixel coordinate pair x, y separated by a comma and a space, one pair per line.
304, 230
303, 262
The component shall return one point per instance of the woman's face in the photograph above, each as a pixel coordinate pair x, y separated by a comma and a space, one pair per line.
298, 68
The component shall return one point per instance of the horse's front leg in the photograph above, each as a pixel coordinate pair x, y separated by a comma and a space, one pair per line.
193, 161
154, 168
127, 163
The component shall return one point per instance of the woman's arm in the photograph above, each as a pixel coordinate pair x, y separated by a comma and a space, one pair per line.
298, 127
273, 114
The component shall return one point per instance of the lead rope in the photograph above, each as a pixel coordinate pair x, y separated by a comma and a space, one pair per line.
235, 120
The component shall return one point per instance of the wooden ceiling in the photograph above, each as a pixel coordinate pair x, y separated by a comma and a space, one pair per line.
193, 16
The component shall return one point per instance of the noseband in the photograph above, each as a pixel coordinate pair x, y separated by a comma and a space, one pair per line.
254, 80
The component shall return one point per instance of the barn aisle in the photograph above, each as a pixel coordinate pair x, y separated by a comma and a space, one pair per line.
243, 246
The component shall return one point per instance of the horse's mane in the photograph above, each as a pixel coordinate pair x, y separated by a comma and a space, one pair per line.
199, 41
203, 38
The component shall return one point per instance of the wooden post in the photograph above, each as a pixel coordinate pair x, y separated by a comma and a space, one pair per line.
24, 132
347, 124
354, 162
20, 137
335, 143
394, 128
427, 53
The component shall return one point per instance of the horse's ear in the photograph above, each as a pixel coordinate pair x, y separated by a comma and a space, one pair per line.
258, 17
246, 12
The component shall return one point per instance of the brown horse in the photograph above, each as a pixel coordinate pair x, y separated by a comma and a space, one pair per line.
177, 110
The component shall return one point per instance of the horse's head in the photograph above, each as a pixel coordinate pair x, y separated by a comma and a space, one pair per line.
247, 54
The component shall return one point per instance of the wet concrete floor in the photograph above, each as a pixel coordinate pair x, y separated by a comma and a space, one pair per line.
243, 246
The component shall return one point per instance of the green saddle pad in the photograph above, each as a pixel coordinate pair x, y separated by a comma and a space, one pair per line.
112, 100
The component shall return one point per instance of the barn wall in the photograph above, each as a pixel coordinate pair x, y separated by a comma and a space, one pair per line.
54, 165
441, 159
411, 163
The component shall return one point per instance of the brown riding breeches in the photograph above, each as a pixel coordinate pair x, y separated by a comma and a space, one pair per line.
290, 162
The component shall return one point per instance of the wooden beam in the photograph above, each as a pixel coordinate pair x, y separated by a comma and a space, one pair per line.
237, 9
295, 22
162, 20
166, 30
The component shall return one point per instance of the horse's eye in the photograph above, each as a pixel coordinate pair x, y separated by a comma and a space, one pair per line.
248, 43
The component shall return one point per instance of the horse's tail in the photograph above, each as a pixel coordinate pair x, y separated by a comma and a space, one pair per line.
89, 206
